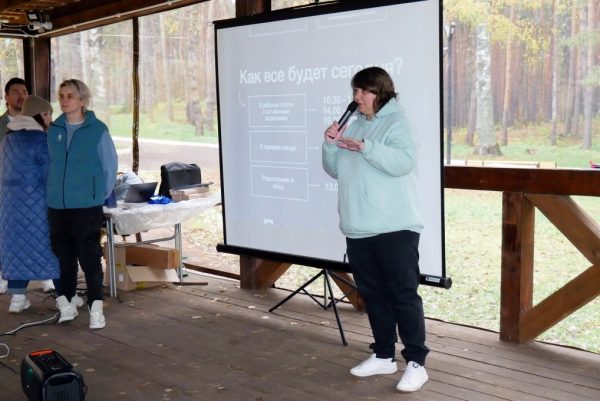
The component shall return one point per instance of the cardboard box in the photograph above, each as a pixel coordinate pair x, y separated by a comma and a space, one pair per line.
189, 193
152, 256
177, 198
140, 277
131, 277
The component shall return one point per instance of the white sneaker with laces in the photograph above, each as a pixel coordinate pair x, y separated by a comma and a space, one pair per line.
375, 366
77, 301
413, 378
97, 320
18, 303
3, 284
67, 311
47, 286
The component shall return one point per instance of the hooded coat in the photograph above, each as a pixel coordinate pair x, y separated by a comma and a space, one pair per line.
378, 191
25, 252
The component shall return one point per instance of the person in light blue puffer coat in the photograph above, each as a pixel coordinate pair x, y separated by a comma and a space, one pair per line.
25, 252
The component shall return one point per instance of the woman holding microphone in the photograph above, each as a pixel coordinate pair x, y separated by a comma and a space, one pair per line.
374, 161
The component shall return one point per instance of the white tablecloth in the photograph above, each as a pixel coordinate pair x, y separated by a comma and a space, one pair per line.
130, 219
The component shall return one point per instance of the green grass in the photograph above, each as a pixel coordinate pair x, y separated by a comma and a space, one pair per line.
532, 143
120, 124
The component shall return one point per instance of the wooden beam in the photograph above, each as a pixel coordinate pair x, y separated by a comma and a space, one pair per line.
214, 272
90, 14
516, 292
575, 294
244, 8
572, 221
345, 282
258, 274
135, 80
531, 181
36, 55
6, 4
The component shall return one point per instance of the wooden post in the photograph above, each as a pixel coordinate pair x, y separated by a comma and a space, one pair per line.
135, 79
516, 292
36, 54
245, 8
258, 273
345, 282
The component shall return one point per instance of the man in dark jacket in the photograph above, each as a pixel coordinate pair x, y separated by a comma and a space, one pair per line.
15, 93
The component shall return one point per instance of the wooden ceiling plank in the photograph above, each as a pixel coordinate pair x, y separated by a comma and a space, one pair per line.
8, 4
111, 12
15, 11
68, 16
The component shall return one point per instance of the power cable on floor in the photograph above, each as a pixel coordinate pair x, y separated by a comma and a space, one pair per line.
7, 350
48, 321
5, 356
44, 322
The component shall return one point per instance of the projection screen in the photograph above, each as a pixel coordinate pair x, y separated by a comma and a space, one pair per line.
282, 79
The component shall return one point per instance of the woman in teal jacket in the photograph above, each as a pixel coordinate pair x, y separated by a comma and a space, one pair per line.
82, 174
374, 161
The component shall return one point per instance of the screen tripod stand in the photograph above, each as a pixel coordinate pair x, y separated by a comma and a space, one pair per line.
329, 300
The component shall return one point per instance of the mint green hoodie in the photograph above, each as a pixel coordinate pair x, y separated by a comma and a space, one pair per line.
377, 189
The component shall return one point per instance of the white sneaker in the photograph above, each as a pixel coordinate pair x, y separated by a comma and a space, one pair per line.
77, 301
47, 286
97, 320
67, 311
3, 284
413, 378
375, 366
18, 303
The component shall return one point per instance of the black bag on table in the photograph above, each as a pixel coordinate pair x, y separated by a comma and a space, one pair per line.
176, 175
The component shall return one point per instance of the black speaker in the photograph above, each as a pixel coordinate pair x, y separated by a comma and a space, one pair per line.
47, 376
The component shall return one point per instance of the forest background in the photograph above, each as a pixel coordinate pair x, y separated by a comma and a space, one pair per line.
521, 84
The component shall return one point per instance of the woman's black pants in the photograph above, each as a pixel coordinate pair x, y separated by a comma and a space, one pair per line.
386, 272
75, 238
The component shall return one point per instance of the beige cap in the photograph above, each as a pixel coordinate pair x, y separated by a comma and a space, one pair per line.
35, 105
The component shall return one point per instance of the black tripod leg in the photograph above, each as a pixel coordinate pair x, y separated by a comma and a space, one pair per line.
335, 311
301, 288
349, 283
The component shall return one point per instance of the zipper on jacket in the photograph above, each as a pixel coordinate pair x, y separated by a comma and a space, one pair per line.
65, 171
64, 129
67, 158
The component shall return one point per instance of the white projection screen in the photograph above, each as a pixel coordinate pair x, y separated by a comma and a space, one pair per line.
282, 79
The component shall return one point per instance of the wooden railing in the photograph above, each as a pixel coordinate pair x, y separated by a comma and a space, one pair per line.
550, 191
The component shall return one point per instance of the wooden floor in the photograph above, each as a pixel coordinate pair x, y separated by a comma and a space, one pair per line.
217, 342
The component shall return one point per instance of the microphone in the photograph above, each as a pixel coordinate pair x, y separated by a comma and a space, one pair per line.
347, 114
